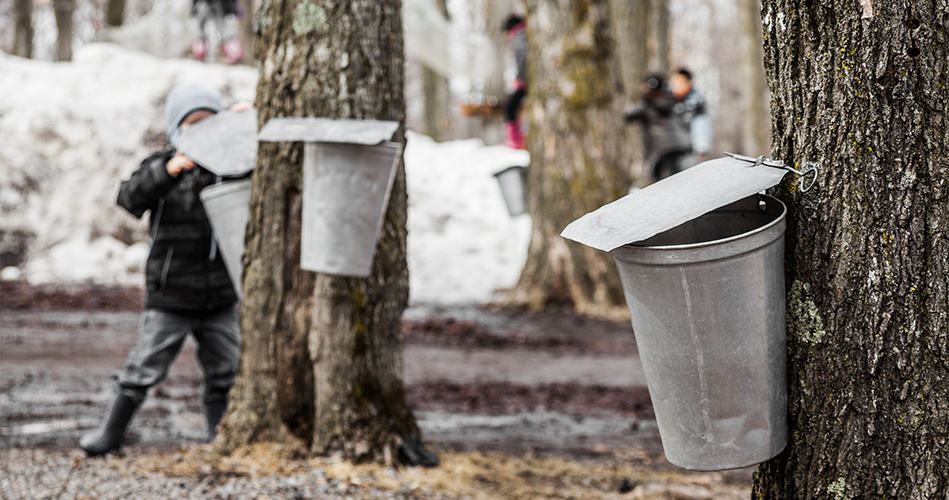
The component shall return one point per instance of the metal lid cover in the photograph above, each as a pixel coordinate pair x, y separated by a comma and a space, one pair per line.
672, 201
224, 143
308, 129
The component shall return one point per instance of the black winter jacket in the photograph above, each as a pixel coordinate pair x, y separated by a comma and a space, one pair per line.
662, 131
184, 271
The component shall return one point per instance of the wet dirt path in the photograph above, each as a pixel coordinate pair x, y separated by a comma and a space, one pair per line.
553, 384
55, 366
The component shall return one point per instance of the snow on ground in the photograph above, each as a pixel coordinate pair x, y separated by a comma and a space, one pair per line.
462, 243
71, 131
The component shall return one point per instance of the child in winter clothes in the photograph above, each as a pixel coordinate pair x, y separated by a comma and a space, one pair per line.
223, 14
188, 288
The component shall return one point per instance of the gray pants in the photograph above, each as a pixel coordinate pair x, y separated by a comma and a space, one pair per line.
162, 334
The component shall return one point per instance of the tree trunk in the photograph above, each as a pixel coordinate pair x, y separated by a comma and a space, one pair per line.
631, 29
23, 39
64, 28
437, 94
862, 87
115, 12
322, 357
579, 160
246, 31
756, 122
659, 35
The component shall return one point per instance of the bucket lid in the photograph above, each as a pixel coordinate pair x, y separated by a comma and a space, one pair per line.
307, 129
672, 201
224, 143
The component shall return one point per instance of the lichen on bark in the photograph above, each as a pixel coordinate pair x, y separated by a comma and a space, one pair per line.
803, 317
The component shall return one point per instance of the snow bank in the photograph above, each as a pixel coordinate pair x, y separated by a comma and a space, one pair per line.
71, 131
462, 244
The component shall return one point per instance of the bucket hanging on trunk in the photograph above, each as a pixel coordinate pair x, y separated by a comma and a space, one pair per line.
513, 182
701, 259
348, 171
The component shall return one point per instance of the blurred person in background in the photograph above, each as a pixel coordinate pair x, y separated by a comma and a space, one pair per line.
224, 15
666, 144
515, 29
691, 113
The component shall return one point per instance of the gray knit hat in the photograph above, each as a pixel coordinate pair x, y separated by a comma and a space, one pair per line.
182, 101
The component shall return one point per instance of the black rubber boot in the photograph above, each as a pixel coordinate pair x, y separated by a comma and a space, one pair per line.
413, 452
109, 436
213, 412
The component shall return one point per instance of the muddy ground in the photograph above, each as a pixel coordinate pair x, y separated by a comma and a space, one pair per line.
481, 380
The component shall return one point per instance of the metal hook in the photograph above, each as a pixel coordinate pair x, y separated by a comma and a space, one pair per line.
810, 167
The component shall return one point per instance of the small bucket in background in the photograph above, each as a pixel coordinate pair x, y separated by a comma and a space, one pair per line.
513, 182
228, 207
706, 301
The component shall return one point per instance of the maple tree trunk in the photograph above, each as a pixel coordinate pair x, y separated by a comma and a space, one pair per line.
321, 364
579, 160
861, 88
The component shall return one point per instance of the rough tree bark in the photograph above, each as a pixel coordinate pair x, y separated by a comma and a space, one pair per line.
64, 28
579, 160
862, 87
23, 38
321, 363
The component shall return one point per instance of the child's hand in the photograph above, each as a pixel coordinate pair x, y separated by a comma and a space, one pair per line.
241, 106
178, 163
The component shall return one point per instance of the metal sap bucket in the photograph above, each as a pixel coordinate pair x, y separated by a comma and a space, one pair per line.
706, 300
513, 182
346, 191
228, 207
348, 172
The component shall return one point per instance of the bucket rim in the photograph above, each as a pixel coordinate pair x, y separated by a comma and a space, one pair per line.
690, 246
224, 188
508, 169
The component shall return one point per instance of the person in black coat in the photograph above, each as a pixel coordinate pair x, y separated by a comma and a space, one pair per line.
188, 289
666, 144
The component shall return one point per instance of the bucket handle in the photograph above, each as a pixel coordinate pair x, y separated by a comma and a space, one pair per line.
809, 168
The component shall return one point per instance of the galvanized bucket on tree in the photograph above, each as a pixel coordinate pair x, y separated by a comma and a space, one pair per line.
513, 182
701, 259
346, 191
348, 173
706, 300
228, 207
